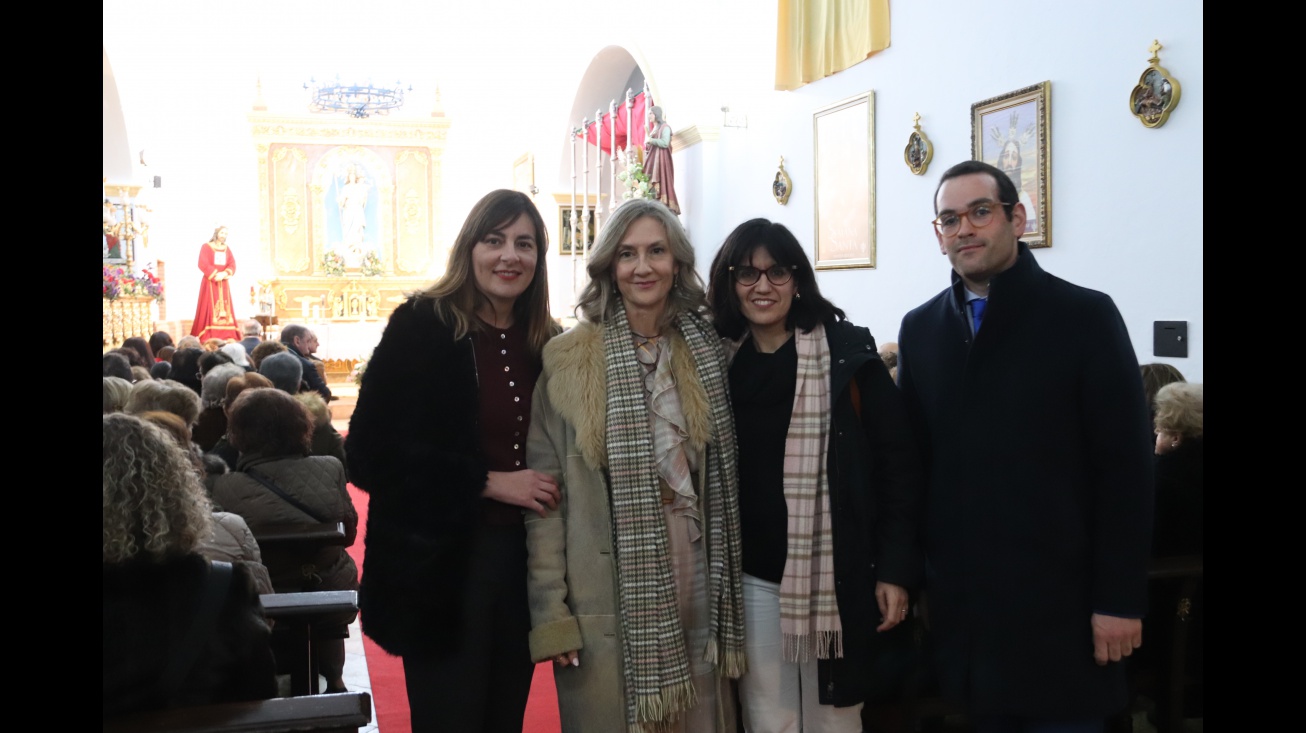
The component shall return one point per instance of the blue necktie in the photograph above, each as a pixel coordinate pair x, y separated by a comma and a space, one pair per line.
977, 307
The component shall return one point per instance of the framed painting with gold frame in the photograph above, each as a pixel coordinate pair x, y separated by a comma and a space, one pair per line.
844, 138
1012, 132
523, 174
565, 233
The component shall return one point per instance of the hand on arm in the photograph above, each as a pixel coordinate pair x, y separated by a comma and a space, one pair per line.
528, 489
1115, 637
892, 600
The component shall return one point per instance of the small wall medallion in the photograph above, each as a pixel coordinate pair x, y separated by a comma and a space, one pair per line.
782, 186
919, 151
1156, 94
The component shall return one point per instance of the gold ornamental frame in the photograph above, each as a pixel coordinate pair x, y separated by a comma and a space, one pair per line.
843, 136
1008, 130
1156, 94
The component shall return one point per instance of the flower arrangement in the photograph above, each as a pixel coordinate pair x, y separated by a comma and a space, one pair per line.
333, 263
356, 376
119, 282
372, 265
638, 185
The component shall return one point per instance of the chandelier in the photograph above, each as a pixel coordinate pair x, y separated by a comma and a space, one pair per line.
356, 100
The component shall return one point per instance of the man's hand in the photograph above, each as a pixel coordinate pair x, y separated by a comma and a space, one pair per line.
1115, 637
526, 488
892, 600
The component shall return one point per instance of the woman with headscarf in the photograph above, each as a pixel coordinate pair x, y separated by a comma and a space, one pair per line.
634, 579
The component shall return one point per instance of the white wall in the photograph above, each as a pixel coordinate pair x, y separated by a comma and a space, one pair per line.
1127, 200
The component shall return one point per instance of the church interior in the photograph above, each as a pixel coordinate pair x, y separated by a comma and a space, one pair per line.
207, 123
339, 146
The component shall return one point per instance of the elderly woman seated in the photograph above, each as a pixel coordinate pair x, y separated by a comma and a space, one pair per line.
231, 540
277, 482
155, 582
165, 395
212, 423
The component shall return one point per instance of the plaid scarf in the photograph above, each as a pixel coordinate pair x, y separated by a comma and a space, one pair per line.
655, 664
807, 596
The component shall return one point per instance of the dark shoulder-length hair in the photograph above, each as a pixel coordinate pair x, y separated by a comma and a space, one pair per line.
142, 347
269, 422
809, 307
599, 299
455, 295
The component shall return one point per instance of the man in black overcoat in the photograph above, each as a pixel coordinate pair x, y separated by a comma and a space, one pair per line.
1039, 506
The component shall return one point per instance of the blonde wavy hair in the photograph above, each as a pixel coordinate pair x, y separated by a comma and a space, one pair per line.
1179, 409
154, 503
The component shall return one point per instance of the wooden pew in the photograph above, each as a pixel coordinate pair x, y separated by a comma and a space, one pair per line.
299, 615
344, 712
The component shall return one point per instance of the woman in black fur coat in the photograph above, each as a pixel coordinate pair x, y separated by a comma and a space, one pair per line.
438, 441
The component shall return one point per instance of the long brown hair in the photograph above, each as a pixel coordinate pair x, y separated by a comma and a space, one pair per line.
455, 295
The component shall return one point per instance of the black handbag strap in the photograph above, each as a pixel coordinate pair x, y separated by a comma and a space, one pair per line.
279, 492
210, 602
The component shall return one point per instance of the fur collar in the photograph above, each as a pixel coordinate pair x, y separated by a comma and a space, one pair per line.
577, 388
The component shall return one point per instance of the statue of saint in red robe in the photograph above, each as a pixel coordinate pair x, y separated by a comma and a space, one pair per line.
215, 317
657, 161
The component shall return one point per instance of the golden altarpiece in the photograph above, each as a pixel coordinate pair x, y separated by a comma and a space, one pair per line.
348, 218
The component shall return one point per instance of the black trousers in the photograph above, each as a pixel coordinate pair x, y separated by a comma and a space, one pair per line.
484, 685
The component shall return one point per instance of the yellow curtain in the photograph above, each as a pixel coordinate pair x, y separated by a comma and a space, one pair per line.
817, 38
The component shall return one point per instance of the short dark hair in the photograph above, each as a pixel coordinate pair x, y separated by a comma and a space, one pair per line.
185, 367
210, 359
292, 332
116, 365
804, 313
1008, 195
271, 423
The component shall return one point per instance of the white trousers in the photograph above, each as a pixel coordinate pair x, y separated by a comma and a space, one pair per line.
779, 696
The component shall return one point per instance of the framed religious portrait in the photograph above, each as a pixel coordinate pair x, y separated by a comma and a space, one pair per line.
565, 230
1012, 132
523, 174
844, 138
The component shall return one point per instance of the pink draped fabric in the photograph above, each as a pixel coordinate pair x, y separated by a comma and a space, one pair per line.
600, 132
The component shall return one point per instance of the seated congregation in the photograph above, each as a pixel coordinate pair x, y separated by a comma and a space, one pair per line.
226, 522
226, 510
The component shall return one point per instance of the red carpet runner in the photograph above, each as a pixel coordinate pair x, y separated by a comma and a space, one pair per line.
387, 672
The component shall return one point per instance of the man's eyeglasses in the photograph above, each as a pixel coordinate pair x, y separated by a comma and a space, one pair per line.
748, 275
949, 223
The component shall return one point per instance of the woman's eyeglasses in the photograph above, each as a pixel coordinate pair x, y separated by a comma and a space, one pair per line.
748, 275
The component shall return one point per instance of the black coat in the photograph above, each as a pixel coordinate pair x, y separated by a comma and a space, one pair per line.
147, 609
875, 493
413, 445
311, 378
1039, 500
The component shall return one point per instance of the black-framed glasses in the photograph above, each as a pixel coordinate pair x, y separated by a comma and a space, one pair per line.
748, 275
949, 222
